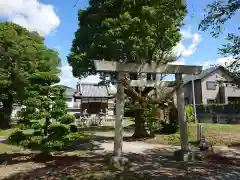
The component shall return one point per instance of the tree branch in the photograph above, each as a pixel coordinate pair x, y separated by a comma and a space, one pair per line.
75, 4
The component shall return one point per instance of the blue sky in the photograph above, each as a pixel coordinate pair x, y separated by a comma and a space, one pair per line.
57, 21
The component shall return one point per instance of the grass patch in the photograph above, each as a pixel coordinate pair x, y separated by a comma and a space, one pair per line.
80, 153
217, 134
6, 148
6, 132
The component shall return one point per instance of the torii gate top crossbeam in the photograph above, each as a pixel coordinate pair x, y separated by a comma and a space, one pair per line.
111, 66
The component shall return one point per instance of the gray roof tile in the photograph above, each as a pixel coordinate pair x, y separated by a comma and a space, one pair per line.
92, 90
204, 73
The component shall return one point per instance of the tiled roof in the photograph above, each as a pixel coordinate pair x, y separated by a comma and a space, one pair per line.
93, 90
70, 92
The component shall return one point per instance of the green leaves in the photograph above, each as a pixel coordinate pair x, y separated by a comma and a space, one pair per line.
217, 14
130, 31
44, 78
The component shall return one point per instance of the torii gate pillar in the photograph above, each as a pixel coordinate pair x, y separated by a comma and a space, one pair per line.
119, 116
181, 114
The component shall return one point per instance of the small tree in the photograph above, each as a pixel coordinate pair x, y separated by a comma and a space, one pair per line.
44, 110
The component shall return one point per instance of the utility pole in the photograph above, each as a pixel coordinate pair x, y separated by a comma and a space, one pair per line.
199, 127
194, 102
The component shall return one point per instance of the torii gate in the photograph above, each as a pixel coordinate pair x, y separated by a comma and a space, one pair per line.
178, 70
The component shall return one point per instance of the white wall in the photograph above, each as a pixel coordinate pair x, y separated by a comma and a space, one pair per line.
212, 94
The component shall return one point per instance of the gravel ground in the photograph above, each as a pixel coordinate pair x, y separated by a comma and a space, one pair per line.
3, 138
147, 160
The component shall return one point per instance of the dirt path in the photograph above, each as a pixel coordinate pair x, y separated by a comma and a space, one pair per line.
140, 147
135, 147
146, 160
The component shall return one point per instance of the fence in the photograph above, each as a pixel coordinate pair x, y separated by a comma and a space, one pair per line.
224, 114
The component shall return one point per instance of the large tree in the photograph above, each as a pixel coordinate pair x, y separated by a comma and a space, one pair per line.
216, 15
22, 53
126, 31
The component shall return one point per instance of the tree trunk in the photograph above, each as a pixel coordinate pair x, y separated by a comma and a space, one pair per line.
46, 124
140, 129
6, 113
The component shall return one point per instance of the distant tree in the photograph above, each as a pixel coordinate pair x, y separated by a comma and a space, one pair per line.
216, 15
20, 51
22, 55
127, 31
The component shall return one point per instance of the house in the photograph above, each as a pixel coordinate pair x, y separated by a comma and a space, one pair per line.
213, 85
95, 98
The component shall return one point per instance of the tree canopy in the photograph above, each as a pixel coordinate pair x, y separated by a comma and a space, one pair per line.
216, 15
125, 31
22, 54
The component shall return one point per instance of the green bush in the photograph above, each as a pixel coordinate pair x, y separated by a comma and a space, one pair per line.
17, 136
54, 145
73, 128
73, 136
189, 113
24, 143
35, 142
22, 126
174, 139
36, 125
37, 133
58, 130
67, 119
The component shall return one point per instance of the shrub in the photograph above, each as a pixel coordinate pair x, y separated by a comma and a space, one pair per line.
38, 133
25, 143
73, 136
67, 119
17, 136
54, 145
58, 130
35, 142
174, 139
22, 126
36, 125
73, 128
189, 113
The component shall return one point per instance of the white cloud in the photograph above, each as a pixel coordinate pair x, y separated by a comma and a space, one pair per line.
31, 14
186, 33
224, 61
179, 62
66, 76
181, 49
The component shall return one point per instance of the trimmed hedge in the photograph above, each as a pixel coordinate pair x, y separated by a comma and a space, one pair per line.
67, 119
218, 108
58, 130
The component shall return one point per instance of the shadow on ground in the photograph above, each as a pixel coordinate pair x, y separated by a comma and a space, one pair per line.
128, 128
153, 165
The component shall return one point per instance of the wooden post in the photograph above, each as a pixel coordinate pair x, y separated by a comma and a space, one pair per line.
119, 116
181, 114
